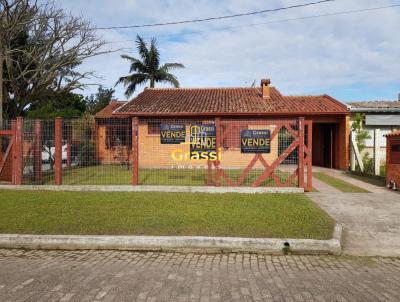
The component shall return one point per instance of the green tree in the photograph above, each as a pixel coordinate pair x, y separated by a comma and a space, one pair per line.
361, 136
147, 68
66, 105
41, 47
98, 101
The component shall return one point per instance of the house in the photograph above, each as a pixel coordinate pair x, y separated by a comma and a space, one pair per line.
235, 110
113, 141
379, 115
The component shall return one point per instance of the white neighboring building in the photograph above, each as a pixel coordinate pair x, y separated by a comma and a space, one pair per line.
383, 115
52, 150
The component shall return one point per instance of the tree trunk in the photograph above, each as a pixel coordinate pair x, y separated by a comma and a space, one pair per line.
151, 82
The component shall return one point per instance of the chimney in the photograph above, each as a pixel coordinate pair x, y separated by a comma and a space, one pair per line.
265, 88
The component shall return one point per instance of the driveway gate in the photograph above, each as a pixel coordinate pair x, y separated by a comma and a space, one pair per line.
288, 163
7, 143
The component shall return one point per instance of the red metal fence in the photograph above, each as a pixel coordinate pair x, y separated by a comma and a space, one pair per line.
141, 152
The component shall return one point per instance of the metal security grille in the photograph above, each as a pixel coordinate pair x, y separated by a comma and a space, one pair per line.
171, 151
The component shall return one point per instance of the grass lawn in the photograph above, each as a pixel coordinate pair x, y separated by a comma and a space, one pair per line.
258, 215
338, 183
379, 181
122, 175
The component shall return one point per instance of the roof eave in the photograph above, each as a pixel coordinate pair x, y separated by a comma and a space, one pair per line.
365, 110
186, 114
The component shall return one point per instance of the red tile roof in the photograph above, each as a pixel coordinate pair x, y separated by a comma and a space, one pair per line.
232, 101
107, 112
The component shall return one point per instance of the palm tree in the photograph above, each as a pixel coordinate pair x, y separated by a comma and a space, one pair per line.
148, 68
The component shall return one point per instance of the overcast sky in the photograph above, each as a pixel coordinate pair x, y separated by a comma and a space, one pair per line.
351, 57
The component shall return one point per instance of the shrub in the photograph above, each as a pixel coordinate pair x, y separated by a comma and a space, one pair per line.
87, 154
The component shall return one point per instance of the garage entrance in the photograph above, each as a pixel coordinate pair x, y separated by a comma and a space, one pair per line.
324, 145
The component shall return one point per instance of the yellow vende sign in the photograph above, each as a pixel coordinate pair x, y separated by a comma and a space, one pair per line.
203, 142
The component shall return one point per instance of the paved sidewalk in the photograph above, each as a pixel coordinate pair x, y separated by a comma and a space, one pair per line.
131, 276
371, 221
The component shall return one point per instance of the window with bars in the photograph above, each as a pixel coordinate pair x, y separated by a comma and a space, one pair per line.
395, 158
231, 132
117, 135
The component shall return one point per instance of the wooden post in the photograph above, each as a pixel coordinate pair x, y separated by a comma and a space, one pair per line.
37, 152
377, 152
218, 146
352, 158
18, 151
309, 146
301, 153
135, 151
58, 151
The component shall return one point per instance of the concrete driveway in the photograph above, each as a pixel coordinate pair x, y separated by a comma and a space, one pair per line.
371, 221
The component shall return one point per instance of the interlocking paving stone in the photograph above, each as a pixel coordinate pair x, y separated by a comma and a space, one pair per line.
150, 276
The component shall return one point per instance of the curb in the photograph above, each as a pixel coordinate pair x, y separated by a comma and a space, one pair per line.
176, 243
141, 188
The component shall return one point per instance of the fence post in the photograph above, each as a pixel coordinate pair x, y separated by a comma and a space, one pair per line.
37, 152
58, 151
352, 158
218, 146
301, 153
18, 151
135, 151
309, 146
377, 152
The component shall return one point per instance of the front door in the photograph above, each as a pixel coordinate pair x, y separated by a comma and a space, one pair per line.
324, 138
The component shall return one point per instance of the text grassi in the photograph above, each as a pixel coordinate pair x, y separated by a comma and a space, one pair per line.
202, 147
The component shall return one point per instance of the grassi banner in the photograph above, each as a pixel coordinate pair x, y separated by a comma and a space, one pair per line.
172, 134
203, 142
255, 141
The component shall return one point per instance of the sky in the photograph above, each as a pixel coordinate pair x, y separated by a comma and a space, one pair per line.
350, 57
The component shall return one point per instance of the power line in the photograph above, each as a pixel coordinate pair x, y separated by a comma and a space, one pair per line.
217, 18
276, 21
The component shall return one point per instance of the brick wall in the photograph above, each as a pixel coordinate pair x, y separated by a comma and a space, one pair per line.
154, 155
392, 165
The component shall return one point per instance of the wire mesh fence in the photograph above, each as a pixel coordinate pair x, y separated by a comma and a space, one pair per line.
5, 124
5, 151
174, 151
98, 152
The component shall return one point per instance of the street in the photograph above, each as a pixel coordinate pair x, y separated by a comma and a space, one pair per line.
150, 276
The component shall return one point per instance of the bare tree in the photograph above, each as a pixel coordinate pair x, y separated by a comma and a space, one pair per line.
42, 45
